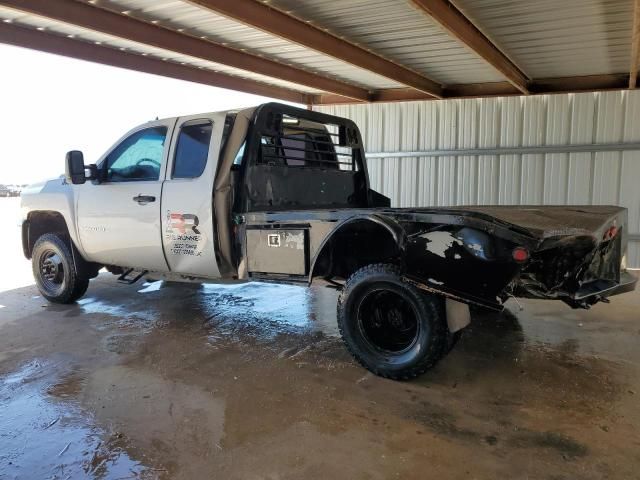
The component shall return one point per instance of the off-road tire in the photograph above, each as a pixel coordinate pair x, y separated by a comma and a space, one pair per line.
72, 284
430, 341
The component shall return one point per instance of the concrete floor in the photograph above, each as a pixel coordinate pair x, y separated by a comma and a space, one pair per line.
252, 382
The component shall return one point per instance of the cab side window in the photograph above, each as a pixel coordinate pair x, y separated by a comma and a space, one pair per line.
192, 149
138, 157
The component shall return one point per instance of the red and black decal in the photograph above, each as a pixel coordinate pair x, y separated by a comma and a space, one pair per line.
183, 223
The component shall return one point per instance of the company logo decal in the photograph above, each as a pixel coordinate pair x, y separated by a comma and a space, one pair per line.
183, 235
183, 222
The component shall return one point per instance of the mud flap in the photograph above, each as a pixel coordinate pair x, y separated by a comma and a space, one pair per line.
458, 315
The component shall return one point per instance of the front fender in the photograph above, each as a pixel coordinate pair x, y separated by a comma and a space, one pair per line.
53, 196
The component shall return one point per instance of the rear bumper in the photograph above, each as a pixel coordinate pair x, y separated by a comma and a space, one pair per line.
598, 289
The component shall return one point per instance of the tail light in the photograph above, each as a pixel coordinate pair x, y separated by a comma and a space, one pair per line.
611, 232
520, 254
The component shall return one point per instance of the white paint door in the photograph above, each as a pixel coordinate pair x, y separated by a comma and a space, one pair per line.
119, 218
187, 196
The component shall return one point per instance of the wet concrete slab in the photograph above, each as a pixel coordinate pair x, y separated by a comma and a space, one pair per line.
252, 382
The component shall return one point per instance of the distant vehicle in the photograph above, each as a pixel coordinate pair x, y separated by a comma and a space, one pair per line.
5, 191
10, 190
281, 194
15, 190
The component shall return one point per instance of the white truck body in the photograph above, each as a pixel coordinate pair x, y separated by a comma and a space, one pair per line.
109, 227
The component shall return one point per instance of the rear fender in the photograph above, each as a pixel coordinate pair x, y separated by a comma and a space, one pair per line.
364, 239
462, 263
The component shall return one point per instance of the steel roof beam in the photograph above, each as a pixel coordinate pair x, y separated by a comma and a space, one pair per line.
275, 22
459, 26
588, 83
56, 44
122, 26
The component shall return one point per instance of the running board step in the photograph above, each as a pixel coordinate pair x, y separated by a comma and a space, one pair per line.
124, 278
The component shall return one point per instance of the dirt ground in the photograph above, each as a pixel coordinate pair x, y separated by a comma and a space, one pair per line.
252, 382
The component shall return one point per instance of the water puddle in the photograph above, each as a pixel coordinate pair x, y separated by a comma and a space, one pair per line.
265, 312
123, 311
244, 313
281, 303
42, 435
262, 309
151, 286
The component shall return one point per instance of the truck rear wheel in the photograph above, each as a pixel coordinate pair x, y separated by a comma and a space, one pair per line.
391, 327
55, 272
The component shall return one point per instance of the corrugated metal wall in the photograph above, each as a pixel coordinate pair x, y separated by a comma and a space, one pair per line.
558, 178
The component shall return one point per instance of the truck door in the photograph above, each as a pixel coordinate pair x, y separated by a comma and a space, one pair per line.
119, 219
187, 197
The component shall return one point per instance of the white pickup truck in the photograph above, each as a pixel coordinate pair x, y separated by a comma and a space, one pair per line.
277, 193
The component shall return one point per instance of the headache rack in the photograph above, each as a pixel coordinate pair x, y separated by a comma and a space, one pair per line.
312, 140
303, 159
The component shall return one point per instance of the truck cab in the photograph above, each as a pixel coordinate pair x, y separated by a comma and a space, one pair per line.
149, 206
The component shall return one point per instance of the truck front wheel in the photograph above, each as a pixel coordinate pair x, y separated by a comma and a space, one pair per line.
54, 270
392, 328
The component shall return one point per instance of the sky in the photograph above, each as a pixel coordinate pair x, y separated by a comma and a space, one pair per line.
51, 104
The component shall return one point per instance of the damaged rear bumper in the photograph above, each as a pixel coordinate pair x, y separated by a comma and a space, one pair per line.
599, 289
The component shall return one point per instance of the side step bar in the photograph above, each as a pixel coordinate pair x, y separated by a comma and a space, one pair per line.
124, 278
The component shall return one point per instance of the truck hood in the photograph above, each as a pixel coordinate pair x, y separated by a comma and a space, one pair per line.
38, 187
50, 195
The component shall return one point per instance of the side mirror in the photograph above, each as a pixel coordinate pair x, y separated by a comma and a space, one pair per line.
74, 168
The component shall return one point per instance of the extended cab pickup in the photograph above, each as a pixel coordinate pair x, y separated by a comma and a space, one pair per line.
277, 193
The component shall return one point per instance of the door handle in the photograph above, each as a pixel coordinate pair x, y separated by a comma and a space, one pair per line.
144, 199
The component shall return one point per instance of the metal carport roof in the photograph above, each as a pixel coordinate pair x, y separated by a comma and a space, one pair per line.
345, 51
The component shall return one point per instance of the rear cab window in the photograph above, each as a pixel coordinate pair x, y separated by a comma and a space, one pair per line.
192, 149
306, 144
303, 163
